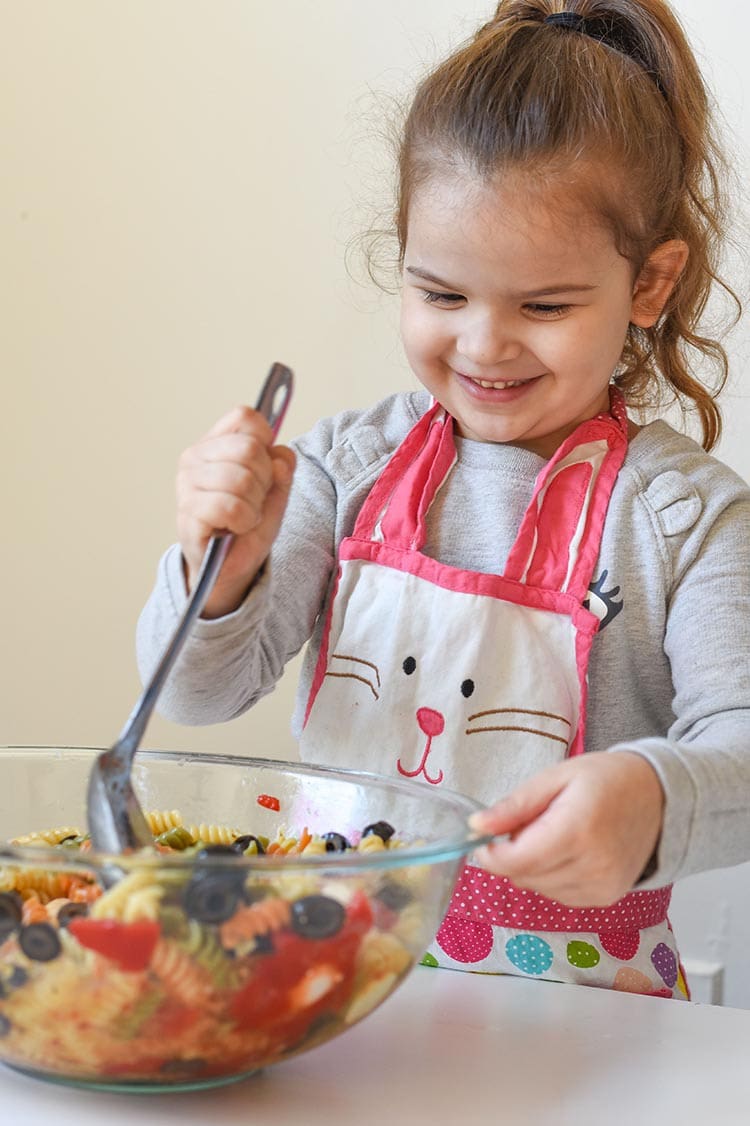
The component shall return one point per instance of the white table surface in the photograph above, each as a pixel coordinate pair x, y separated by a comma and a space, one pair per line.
459, 1049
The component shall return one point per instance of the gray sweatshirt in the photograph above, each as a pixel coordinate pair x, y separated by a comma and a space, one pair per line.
670, 665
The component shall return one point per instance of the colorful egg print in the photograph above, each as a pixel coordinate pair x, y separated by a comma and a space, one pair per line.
583, 955
529, 953
628, 980
622, 945
465, 940
665, 964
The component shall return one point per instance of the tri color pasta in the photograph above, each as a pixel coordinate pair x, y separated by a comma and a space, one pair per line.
189, 973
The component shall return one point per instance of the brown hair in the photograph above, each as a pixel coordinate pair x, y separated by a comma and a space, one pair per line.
544, 98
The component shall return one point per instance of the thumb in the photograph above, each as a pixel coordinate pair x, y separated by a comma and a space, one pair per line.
283, 473
522, 806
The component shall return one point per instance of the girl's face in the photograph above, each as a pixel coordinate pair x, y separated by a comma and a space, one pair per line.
514, 313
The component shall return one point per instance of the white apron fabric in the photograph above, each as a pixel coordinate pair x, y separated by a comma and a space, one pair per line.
477, 682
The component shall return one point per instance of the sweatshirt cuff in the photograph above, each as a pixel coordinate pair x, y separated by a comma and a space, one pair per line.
247, 614
668, 859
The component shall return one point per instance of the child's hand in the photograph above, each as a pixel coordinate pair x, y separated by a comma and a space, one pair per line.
581, 832
234, 479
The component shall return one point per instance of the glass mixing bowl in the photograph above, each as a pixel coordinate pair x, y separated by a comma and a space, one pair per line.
281, 904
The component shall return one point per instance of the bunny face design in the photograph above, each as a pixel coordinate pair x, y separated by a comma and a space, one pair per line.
431, 684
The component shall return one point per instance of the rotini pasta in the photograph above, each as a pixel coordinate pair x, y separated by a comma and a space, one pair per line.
184, 978
271, 914
161, 821
213, 834
46, 836
177, 971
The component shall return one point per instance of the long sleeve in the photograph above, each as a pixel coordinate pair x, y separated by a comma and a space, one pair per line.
702, 533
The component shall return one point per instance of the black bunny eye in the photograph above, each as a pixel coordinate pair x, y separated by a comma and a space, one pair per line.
409, 666
467, 688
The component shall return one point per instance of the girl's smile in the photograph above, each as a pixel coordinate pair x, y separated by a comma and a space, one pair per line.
514, 312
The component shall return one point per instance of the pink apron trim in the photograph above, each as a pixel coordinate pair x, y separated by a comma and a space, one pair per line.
470, 582
322, 662
403, 523
546, 526
495, 900
560, 511
398, 467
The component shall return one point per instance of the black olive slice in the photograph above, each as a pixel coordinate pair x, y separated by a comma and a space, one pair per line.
241, 844
10, 912
317, 916
380, 829
212, 897
39, 941
395, 896
336, 842
17, 977
70, 911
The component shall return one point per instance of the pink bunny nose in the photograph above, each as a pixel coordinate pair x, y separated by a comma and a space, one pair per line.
431, 722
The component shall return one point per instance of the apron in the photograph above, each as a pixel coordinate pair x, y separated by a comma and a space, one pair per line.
478, 681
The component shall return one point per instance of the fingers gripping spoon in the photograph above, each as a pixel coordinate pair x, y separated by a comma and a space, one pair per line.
116, 821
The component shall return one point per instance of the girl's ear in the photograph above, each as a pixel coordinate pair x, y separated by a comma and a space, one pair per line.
656, 281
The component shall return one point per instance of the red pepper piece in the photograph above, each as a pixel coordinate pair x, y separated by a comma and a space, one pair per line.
129, 945
269, 801
269, 1006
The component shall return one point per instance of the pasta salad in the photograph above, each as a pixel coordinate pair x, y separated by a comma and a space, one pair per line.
181, 975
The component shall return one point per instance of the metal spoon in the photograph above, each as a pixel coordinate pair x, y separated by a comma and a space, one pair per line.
116, 820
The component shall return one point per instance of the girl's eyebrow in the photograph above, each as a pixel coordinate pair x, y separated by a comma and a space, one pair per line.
529, 295
425, 275
548, 290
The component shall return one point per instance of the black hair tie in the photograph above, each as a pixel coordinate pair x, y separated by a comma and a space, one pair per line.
610, 31
570, 20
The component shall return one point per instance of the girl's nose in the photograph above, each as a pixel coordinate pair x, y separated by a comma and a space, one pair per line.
488, 341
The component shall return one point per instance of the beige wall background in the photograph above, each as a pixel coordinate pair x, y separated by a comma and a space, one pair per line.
180, 181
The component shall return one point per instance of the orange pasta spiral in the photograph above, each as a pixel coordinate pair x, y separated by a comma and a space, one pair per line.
190, 982
259, 918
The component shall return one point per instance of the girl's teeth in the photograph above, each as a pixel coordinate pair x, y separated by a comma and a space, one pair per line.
499, 386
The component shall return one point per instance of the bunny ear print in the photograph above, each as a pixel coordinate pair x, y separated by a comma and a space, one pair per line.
559, 538
558, 527
396, 507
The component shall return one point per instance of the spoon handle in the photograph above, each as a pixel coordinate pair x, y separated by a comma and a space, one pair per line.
272, 403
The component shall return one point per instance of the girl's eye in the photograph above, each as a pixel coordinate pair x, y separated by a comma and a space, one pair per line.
432, 297
548, 311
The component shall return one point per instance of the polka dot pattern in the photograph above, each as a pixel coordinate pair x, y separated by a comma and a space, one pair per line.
628, 980
494, 927
529, 953
583, 955
494, 899
622, 945
464, 939
665, 964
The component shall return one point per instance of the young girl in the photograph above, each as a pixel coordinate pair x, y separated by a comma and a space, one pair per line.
504, 571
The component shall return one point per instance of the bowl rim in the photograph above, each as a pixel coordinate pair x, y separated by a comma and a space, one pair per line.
450, 847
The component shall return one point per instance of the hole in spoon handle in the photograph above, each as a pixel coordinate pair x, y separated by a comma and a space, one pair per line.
275, 395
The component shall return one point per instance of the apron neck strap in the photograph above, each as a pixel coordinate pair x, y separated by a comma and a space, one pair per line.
397, 506
559, 539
